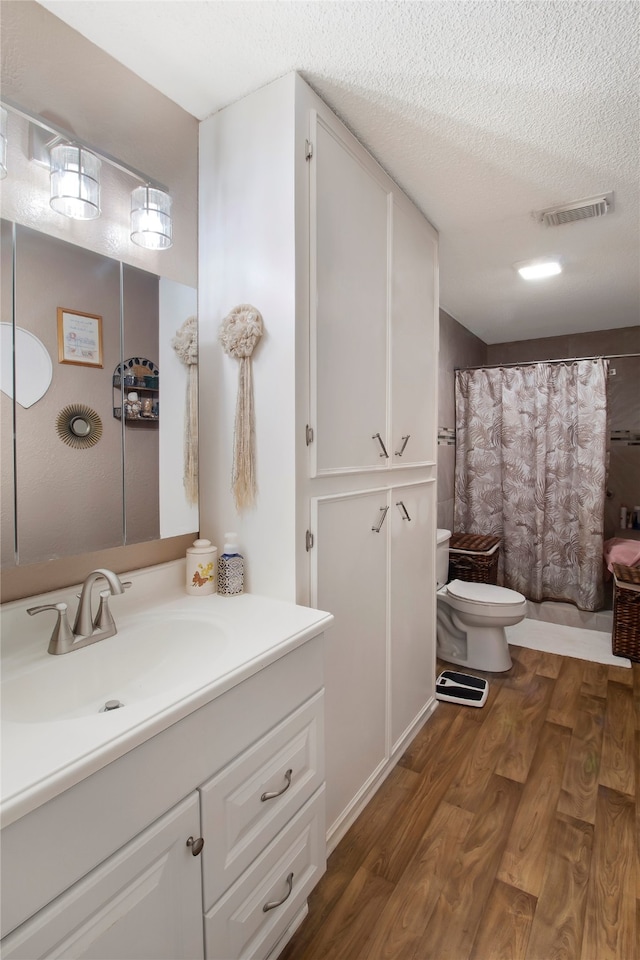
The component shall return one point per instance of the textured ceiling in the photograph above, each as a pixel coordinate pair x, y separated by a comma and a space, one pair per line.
482, 111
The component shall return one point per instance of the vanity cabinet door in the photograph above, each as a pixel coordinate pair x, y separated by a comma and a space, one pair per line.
350, 579
348, 303
143, 902
412, 599
414, 328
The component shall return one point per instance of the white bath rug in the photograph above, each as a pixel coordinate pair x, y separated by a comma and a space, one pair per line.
568, 641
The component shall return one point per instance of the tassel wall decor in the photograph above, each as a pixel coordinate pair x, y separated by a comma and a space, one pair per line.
239, 333
185, 344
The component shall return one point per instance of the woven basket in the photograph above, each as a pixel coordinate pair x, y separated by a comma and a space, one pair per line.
625, 640
474, 558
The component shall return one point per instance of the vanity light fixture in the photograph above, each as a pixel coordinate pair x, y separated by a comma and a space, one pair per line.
3, 143
539, 269
151, 224
75, 178
75, 182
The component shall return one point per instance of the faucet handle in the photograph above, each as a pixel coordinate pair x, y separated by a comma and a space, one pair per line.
62, 636
104, 618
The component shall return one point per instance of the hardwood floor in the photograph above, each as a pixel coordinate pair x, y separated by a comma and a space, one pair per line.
507, 832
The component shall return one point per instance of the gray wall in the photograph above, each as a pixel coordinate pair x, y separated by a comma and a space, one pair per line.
458, 348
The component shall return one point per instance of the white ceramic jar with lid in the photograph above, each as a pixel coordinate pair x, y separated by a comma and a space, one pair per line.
201, 571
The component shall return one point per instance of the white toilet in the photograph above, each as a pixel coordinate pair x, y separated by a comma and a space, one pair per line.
472, 617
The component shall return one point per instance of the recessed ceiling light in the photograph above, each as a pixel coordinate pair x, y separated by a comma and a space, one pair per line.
538, 269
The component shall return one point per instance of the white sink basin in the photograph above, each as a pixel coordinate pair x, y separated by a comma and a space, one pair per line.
146, 658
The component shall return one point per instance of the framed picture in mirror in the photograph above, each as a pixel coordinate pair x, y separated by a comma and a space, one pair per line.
79, 338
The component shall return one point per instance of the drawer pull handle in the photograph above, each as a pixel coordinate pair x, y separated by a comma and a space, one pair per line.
405, 441
377, 437
196, 845
383, 510
272, 904
405, 512
278, 793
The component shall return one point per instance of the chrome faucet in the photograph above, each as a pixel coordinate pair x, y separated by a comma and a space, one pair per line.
86, 628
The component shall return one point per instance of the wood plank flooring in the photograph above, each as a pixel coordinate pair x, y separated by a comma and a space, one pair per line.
507, 832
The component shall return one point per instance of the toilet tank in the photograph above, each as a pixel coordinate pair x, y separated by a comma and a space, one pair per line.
442, 557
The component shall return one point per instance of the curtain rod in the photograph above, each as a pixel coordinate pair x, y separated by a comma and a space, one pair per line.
529, 363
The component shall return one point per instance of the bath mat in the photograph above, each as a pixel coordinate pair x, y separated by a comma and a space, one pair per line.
568, 641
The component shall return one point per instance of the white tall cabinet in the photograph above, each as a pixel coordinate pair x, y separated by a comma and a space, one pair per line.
297, 219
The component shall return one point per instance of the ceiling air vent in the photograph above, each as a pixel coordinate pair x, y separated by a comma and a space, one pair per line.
579, 210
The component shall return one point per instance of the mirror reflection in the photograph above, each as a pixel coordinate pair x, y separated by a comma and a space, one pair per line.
113, 353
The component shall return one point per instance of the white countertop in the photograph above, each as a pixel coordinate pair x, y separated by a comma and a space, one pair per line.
41, 756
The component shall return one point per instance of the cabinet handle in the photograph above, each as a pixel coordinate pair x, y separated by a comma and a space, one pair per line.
377, 437
405, 512
278, 793
405, 441
272, 904
379, 527
196, 845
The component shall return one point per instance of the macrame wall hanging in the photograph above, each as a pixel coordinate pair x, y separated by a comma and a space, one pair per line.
239, 333
185, 344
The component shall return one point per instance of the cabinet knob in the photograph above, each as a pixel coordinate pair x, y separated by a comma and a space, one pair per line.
196, 845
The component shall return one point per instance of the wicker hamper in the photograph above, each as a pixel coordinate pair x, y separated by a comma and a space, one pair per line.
473, 557
625, 640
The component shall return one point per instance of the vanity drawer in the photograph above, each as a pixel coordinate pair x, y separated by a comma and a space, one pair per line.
251, 799
282, 876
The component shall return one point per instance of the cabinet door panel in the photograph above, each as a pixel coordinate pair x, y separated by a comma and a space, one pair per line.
144, 903
348, 306
412, 603
351, 581
413, 339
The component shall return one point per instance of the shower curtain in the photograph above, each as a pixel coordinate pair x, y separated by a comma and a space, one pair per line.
531, 452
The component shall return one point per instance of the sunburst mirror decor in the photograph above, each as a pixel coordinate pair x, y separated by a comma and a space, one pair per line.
79, 426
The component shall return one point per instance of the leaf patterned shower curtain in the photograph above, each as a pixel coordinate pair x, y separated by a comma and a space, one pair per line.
531, 451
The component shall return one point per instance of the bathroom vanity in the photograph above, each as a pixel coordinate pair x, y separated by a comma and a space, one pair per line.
219, 740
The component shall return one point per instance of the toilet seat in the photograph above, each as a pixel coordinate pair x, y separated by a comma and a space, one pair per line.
483, 593
484, 601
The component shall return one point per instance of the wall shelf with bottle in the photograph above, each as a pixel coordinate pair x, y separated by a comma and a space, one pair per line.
136, 387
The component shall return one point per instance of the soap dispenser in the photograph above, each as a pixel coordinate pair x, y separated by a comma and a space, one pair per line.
230, 568
201, 568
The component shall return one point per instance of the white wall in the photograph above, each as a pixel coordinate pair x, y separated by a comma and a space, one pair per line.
247, 255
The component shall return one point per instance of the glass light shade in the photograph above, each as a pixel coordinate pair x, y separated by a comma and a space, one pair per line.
151, 224
539, 269
3, 143
75, 182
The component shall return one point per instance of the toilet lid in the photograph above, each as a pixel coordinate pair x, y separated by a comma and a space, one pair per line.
483, 592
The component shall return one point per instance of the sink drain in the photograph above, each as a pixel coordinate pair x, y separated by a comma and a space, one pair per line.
111, 705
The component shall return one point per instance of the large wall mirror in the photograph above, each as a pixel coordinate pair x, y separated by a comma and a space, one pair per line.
81, 486
84, 467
